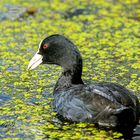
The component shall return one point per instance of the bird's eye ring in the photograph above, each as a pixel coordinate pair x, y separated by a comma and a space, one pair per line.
45, 46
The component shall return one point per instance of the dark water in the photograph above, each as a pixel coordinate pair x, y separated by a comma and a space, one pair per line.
136, 133
4, 98
132, 134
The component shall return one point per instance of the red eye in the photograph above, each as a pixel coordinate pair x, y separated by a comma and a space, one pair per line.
45, 46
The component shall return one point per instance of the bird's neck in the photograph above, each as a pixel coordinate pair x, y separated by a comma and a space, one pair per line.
69, 77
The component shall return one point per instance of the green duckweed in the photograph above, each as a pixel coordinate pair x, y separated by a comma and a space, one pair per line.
107, 33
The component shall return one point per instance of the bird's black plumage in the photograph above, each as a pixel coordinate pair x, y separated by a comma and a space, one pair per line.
106, 104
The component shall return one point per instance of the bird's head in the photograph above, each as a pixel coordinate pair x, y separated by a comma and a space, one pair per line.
55, 49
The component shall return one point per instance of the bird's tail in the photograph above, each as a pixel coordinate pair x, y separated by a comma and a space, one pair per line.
109, 117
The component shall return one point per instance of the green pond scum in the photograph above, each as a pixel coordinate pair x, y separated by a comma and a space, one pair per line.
107, 33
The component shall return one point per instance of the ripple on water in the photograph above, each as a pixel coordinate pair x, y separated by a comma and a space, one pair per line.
4, 98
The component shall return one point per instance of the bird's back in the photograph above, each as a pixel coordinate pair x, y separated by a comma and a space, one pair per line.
106, 104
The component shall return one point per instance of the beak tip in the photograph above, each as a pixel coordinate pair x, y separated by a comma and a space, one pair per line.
34, 62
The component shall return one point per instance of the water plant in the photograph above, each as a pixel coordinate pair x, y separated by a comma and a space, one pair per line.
107, 35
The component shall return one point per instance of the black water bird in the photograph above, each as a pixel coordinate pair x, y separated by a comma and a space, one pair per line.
105, 104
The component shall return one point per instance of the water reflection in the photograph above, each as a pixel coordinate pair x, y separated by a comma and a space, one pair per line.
136, 134
4, 98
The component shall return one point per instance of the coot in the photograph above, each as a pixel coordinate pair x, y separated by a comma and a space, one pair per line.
105, 104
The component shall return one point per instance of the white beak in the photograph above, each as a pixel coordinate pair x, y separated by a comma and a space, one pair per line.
35, 61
